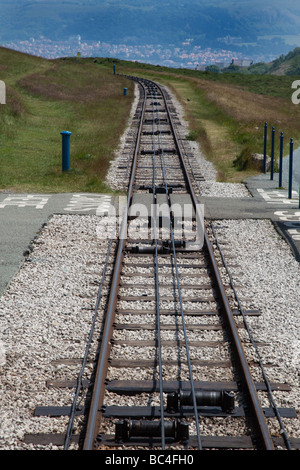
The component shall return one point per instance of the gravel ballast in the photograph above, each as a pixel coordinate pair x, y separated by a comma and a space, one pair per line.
45, 317
268, 276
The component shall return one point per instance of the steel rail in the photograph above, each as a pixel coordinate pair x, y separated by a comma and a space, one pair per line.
262, 428
87, 350
93, 420
252, 341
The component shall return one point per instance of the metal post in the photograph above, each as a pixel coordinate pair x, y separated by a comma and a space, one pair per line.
125, 91
291, 169
280, 159
272, 154
66, 150
2, 92
265, 148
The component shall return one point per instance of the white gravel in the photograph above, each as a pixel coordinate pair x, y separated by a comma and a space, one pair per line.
45, 316
116, 179
269, 276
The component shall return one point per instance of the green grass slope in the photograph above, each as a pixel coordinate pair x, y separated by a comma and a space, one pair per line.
46, 97
288, 64
226, 114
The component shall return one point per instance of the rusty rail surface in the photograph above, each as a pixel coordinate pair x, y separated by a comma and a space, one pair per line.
99, 385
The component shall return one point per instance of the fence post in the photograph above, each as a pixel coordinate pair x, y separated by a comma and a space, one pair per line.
272, 154
280, 159
291, 169
265, 147
66, 150
2, 92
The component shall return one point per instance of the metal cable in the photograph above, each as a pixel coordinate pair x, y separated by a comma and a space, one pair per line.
84, 361
180, 298
266, 380
157, 291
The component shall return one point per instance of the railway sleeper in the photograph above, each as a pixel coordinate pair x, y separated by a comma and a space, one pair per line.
157, 110
160, 189
160, 132
159, 151
127, 428
157, 121
177, 210
164, 248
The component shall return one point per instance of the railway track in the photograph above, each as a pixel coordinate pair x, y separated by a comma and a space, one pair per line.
171, 369
179, 293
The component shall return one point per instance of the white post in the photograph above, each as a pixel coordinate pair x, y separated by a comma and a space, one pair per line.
2, 92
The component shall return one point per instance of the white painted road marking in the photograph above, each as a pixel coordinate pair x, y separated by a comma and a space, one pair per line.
84, 202
30, 200
278, 196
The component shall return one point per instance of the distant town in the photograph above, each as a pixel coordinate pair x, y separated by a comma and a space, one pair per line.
186, 54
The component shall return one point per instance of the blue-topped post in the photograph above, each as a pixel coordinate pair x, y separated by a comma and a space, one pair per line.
265, 148
125, 91
272, 154
114, 69
291, 169
280, 159
66, 150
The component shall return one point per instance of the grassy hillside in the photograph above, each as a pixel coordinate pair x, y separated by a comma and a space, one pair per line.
226, 113
46, 97
288, 64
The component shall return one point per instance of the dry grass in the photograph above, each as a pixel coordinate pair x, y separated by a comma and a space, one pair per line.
65, 81
228, 120
248, 107
227, 112
14, 101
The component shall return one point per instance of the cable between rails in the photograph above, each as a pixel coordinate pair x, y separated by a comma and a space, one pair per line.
179, 293
157, 289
